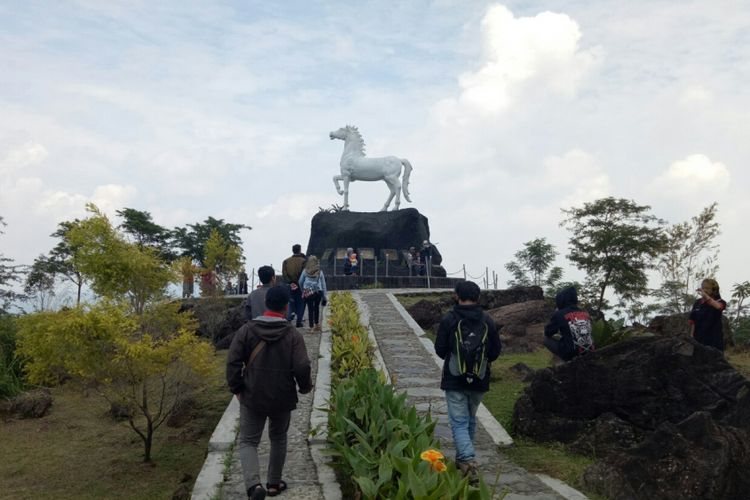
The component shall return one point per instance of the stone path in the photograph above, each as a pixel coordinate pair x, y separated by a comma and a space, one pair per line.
299, 470
413, 370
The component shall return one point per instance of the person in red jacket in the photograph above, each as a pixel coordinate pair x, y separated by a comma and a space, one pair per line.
267, 363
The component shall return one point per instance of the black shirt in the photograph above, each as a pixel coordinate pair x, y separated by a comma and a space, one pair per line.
708, 326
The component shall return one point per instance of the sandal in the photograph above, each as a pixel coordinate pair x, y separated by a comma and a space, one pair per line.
275, 489
256, 492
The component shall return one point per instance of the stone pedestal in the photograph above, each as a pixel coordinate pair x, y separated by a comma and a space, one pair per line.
380, 231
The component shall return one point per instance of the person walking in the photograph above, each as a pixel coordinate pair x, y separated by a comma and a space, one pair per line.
706, 316
312, 282
468, 342
255, 303
267, 363
291, 270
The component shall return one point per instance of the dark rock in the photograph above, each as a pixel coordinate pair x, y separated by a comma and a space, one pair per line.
606, 434
119, 411
182, 413
676, 325
492, 299
181, 493
218, 318
426, 313
524, 370
521, 325
696, 458
645, 381
30, 404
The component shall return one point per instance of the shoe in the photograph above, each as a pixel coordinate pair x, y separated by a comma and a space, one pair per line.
469, 469
299, 325
256, 492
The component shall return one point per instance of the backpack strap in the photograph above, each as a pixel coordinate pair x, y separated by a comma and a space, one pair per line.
258, 347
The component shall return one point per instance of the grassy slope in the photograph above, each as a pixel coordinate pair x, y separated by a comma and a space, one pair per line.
77, 452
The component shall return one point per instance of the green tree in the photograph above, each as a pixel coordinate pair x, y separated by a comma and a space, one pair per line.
40, 283
192, 238
740, 292
616, 242
690, 255
61, 260
9, 274
117, 268
105, 347
222, 258
533, 265
146, 233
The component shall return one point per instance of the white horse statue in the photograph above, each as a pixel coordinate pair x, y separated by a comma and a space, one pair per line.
356, 167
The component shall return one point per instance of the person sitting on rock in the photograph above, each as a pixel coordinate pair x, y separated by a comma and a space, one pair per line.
706, 316
572, 323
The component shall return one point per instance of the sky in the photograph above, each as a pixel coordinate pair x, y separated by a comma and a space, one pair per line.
508, 112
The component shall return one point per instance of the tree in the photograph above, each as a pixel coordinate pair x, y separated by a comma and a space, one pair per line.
9, 273
106, 348
117, 268
146, 232
532, 263
615, 241
690, 255
192, 238
222, 258
40, 283
61, 260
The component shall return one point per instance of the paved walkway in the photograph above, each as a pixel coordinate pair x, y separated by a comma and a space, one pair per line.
413, 369
299, 471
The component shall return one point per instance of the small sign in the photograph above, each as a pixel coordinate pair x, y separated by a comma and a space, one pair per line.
390, 253
367, 253
341, 253
326, 254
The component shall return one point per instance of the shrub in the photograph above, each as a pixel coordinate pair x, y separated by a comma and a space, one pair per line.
351, 349
608, 332
11, 365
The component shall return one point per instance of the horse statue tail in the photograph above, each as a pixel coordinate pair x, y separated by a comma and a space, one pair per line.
405, 182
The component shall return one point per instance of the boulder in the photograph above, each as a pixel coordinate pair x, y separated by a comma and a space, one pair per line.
218, 318
521, 325
427, 313
676, 325
30, 404
645, 381
695, 458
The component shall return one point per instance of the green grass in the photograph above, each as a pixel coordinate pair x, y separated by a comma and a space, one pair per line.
77, 452
740, 360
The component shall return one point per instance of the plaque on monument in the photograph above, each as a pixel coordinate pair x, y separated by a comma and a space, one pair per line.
326, 254
341, 253
390, 254
367, 253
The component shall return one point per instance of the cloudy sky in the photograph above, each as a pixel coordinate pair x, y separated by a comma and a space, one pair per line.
507, 111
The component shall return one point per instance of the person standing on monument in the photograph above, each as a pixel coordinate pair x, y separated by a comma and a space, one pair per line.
242, 282
291, 269
267, 364
468, 342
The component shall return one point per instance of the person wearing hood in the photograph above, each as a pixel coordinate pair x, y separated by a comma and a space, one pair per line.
468, 342
572, 323
267, 363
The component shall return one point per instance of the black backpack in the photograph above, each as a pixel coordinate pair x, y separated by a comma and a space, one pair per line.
469, 359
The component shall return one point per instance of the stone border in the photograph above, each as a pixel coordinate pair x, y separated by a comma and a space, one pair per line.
490, 423
211, 476
364, 319
319, 418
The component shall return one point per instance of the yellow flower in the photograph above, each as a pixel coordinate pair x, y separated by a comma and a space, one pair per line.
438, 466
431, 456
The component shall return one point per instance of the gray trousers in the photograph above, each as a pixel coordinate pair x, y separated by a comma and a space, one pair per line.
251, 428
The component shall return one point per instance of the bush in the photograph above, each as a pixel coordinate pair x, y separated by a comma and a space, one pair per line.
351, 349
609, 332
11, 365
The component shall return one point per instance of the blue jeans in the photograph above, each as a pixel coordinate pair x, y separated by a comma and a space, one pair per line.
296, 306
462, 414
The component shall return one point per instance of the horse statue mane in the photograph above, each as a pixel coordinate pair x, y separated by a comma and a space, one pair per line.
355, 166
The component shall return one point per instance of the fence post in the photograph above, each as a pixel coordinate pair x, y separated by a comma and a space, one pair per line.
375, 284
487, 277
464, 272
334, 262
386, 266
252, 280
495, 278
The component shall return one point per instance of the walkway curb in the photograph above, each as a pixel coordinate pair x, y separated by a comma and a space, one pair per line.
319, 418
222, 440
364, 319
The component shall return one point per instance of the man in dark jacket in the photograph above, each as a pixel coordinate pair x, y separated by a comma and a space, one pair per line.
572, 323
466, 376
266, 360
291, 269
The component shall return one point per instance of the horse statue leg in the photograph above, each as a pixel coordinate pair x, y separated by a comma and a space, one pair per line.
391, 187
397, 188
346, 193
336, 179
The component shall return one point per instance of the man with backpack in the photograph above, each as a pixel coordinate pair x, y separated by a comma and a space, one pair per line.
572, 323
267, 363
468, 342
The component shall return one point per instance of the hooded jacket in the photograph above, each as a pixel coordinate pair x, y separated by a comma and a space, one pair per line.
445, 347
567, 311
268, 385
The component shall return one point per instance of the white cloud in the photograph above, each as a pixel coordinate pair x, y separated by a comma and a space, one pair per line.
522, 52
27, 155
695, 176
577, 176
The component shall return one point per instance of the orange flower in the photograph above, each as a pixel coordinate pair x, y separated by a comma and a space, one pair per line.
431, 456
438, 466
355, 339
